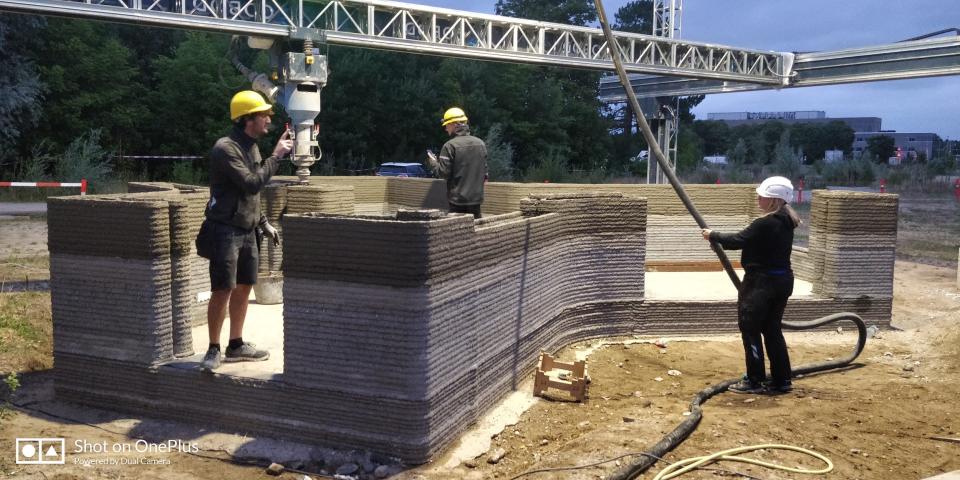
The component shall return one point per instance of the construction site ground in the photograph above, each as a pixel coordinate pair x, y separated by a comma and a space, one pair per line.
875, 420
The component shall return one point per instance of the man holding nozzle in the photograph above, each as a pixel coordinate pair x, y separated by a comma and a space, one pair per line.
229, 235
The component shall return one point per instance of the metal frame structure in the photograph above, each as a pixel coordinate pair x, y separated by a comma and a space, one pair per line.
412, 28
667, 16
909, 59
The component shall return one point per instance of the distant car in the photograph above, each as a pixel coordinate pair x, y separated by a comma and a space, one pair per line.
394, 169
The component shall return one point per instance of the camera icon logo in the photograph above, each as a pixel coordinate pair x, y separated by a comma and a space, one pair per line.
41, 451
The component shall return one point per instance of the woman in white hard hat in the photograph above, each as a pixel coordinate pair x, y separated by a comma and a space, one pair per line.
767, 283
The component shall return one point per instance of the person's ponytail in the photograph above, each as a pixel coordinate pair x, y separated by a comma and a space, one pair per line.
793, 215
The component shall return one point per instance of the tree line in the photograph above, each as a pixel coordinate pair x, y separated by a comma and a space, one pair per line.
135, 90
90, 93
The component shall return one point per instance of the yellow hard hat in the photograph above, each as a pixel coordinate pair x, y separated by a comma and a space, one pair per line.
454, 115
247, 102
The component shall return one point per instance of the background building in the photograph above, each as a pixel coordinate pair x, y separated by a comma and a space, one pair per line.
912, 144
858, 124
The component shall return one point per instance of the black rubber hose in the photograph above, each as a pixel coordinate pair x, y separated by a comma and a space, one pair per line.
686, 427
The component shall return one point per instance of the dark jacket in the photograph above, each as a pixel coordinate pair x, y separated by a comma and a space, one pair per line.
463, 162
237, 175
766, 243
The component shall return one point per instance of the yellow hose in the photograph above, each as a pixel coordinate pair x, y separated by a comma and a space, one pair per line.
684, 466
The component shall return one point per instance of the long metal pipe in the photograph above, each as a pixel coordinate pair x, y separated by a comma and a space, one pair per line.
615, 54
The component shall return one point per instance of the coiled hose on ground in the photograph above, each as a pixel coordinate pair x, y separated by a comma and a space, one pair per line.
688, 425
682, 431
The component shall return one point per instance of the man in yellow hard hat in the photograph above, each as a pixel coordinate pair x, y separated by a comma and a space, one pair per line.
228, 236
462, 162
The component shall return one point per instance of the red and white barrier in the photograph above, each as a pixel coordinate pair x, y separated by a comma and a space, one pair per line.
82, 185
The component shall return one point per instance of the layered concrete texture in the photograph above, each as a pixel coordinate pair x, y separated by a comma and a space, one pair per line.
672, 233
442, 317
853, 242
400, 330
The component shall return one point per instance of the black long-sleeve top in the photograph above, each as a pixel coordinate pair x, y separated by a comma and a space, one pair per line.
237, 175
766, 243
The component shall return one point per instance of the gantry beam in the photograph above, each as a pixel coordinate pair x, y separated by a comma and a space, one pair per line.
912, 59
434, 31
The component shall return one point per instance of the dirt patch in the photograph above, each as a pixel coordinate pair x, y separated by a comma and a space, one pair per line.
873, 421
23, 236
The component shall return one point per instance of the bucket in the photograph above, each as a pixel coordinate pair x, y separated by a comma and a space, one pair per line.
269, 289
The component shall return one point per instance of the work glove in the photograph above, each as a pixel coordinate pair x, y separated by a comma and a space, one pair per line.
272, 233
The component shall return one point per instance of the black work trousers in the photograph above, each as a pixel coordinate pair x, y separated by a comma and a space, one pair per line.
760, 306
471, 209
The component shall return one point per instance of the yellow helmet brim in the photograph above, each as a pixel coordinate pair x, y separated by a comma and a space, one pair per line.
453, 120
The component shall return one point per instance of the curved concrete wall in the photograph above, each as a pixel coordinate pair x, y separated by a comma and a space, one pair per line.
400, 333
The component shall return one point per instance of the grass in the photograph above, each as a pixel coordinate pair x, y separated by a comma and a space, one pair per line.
929, 228
26, 332
24, 269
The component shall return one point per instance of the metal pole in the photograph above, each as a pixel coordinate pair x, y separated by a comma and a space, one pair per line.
615, 55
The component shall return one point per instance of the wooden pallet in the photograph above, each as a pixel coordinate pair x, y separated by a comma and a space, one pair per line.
687, 266
549, 372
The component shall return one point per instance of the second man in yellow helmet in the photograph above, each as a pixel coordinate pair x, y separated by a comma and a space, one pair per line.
463, 163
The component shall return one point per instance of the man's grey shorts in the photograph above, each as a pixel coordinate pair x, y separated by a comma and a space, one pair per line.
235, 257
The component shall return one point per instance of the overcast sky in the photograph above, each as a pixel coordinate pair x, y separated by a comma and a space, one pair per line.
923, 105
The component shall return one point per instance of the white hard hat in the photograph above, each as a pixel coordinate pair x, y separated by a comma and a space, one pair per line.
776, 187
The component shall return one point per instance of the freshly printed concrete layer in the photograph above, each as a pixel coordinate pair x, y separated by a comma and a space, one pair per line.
677, 237
418, 193
726, 207
662, 200
853, 238
801, 263
106, 226
369, 193
501, 197
335, 199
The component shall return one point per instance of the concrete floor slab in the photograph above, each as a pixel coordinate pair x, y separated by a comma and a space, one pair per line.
264, 323
954, 475
702, 286
263, 326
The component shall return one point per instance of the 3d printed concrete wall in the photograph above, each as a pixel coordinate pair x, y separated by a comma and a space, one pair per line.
399, 333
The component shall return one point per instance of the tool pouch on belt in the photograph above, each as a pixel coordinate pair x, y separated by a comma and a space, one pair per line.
205, 240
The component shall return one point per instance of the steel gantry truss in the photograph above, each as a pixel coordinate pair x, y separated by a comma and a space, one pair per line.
667, 16
436, 31
903, 60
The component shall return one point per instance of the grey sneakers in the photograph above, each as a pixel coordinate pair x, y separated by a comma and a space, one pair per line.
211, 360
746, 386
247, 352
